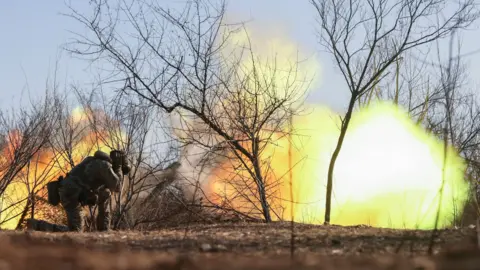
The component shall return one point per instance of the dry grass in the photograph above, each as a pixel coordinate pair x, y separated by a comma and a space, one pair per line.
239, 246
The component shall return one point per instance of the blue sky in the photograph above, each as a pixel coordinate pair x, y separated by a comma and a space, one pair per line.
32, 32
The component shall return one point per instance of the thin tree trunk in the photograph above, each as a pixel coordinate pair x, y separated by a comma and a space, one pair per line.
290, 173
23, 215
259, 180
116, 221
261, 191
32, 210
343, 132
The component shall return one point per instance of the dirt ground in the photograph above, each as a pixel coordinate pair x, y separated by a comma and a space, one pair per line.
241, 246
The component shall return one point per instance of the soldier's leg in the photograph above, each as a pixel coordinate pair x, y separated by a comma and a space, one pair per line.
69, 197
44, 226
103, 217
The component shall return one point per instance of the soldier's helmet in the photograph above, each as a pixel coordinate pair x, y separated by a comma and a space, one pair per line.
102, 155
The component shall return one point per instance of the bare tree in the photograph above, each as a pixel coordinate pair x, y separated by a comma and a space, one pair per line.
424, 85
127, 123
182, 61
27, 132
39, 171
457, 116
97, 123
72, 129
367, 37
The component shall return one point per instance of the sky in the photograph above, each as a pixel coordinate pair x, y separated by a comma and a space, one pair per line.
33, 31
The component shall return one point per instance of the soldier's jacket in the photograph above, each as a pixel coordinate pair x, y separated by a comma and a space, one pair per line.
92, 173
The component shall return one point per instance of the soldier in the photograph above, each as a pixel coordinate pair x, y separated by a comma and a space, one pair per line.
89, 183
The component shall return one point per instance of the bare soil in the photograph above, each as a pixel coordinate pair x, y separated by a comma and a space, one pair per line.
241, 246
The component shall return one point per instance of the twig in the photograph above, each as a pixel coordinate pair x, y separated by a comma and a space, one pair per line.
477, 227
292, 223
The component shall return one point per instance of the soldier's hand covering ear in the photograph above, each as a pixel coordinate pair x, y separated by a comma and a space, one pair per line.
116, 155
117, 158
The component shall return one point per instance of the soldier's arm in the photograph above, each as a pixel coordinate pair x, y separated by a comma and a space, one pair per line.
102, 171
112, 179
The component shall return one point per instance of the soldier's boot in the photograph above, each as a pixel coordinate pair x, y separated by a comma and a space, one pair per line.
32, 224
44, 226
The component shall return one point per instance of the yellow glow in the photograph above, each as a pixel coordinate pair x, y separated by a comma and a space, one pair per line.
78, 114
388, 174
270, 64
